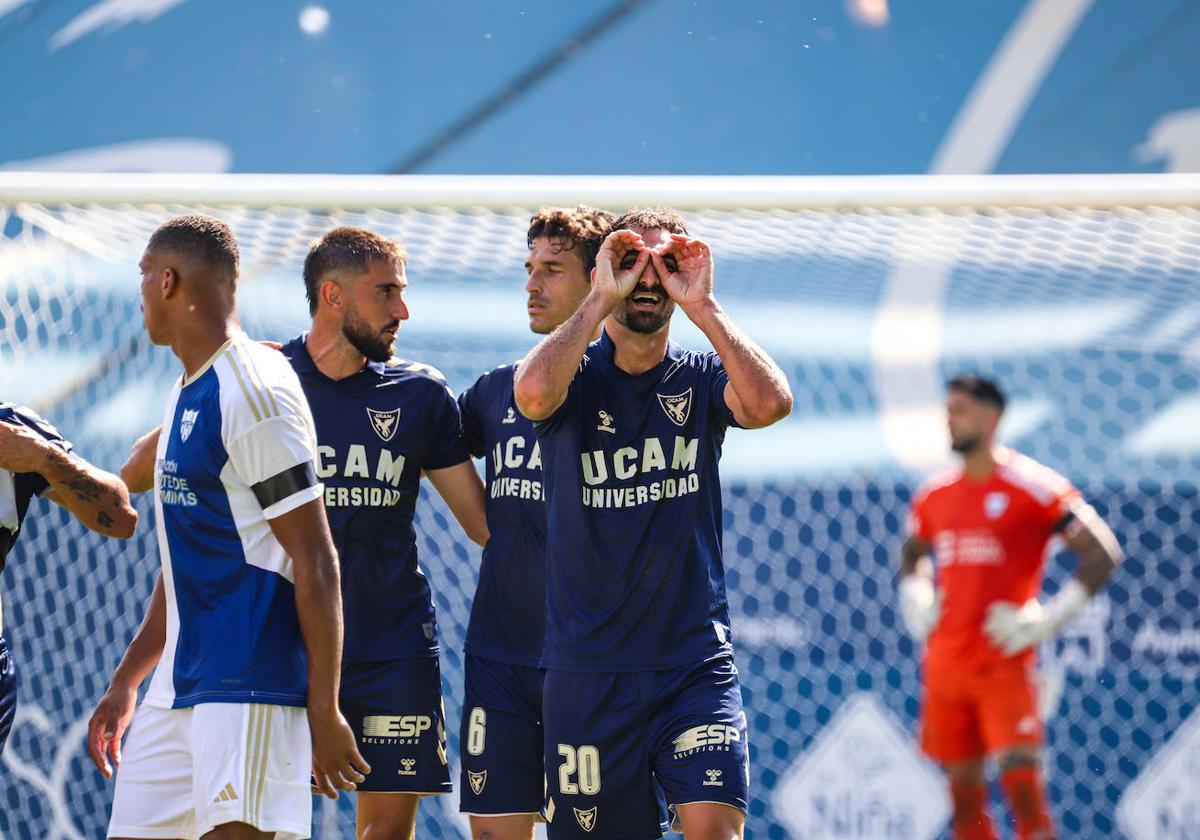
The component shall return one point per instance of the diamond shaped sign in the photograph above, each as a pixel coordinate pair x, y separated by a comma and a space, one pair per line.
862, 778
1164, 799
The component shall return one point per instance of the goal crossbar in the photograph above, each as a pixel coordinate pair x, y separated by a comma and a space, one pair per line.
386, 192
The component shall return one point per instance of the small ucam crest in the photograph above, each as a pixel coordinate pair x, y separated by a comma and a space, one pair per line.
586, 818
677, 407
384, 422
188, 422
477, 780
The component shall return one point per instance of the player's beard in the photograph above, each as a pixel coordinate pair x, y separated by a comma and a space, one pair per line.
646, 323
966, 445
376, 345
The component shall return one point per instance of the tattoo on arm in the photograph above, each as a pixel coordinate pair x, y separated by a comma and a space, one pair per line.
104, 519
86, 488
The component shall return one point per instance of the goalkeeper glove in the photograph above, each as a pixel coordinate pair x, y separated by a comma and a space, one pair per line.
1014, 629
920, 605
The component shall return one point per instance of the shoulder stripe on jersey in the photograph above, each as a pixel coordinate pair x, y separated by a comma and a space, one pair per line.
256, 385
287, 483
1041, 492
245, 391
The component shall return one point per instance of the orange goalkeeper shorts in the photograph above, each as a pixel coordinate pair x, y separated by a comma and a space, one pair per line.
972, 713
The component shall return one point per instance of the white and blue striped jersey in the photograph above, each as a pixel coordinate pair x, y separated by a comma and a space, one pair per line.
237, 449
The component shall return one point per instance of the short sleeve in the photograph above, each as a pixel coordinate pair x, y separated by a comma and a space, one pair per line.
918, 523
472, 422
719, 379
1060, 503
446, 445
275, 455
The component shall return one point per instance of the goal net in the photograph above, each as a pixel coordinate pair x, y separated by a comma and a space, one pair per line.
1077, 294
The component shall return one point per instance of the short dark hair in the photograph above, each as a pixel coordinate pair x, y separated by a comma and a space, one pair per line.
583, 228
204, 239
346, 247
979, 388
651, 218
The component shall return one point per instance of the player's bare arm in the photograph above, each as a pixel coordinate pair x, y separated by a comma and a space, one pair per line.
757, 392
1095, 546
920, 602
1014, 629
462, 490
98, 499
138, 470
115, 709
542, 380
304, 535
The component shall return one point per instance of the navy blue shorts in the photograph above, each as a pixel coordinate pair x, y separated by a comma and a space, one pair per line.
620, 746
8, 692
500, 739
395, 710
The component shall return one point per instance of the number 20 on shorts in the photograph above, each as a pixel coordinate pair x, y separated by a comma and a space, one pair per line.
586, 761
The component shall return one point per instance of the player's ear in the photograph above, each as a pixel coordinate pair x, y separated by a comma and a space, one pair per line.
592, 275
169, 281
331, 293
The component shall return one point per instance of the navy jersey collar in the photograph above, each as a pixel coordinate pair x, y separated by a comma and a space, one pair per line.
608, 352
302, 362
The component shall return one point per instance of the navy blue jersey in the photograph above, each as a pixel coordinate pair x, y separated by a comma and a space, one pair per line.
17, 489
635, 579
508, 615
376, 431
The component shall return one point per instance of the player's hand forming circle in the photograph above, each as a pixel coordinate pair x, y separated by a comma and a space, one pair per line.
619, 264
685, 267
337, 763
107, 727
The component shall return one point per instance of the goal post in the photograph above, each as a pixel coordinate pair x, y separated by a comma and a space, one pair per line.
1078, 293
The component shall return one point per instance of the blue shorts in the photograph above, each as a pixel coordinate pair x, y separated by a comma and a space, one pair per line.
501, 739
8, 692
620, 746
395, 710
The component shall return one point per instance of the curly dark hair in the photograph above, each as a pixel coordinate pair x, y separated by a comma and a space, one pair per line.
651, 218
583, 227
203, 239
346, 247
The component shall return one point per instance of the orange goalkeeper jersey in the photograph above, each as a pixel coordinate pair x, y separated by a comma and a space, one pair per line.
990, 540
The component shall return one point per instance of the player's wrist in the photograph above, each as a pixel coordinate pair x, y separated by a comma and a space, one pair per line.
1068, 602
703, 309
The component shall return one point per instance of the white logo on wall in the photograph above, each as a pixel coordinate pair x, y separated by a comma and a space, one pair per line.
188, 422
862, 778
384, 422
677, 407
1164, 800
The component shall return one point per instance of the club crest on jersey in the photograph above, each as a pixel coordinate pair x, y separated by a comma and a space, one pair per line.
384, 422
477, 780
677, 407
510, 417
606, 424
586, 819
188, 422
994, 505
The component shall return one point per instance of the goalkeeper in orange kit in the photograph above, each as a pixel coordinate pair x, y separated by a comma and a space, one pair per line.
986, 525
